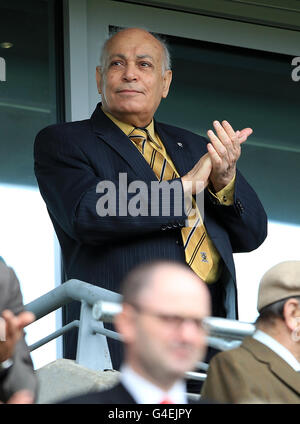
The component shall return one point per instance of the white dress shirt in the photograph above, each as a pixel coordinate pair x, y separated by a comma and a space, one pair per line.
281, 351
145, 392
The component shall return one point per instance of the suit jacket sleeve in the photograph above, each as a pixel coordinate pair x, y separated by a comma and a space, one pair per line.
68, 183
245, 220
21, 375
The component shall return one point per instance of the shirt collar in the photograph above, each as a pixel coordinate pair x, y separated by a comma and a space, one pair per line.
278, 348
127, 128
145, 392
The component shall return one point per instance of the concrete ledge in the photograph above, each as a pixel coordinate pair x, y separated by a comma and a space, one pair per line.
64, 378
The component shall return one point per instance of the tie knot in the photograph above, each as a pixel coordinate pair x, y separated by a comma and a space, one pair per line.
166, 401
138, 135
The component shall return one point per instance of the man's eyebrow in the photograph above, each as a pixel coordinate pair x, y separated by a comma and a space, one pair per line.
145, 56
122, 56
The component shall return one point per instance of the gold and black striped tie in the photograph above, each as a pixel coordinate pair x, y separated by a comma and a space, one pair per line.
197, 252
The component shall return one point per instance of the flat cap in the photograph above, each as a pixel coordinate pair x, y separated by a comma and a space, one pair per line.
280, 282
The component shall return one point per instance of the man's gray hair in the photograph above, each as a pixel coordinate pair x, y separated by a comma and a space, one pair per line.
270, 313
166, 62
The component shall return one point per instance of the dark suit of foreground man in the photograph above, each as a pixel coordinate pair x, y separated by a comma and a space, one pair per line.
73, 158
163, 308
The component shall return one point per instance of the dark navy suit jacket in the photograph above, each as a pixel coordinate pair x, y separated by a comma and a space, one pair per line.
72, 158
115, 395
118, 394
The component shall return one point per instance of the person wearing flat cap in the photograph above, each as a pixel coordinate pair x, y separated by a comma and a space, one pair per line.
265, 368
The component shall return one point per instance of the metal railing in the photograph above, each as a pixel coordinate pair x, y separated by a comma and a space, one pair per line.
99, 305
224, 334
92, 350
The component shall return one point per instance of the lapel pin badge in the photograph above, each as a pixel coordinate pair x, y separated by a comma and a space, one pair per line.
180, 144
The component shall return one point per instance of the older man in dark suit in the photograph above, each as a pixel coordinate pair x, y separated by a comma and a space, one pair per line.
18, 383
97, 175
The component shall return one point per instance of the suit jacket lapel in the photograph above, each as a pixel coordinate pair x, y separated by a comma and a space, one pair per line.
115, 138
276, 364
122, 395
176, 148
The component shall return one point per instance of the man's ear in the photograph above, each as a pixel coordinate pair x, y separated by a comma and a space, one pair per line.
125, 323
166, 83
98, 78
291, 313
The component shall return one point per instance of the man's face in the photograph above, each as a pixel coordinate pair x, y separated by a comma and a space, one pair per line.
132, 83
161, 345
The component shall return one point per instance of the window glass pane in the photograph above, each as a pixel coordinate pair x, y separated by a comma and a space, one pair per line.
28, 102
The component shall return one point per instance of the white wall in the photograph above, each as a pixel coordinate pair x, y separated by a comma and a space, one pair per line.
281, 244
27, 244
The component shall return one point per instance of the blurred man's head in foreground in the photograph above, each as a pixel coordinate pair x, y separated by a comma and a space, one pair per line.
164, 304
